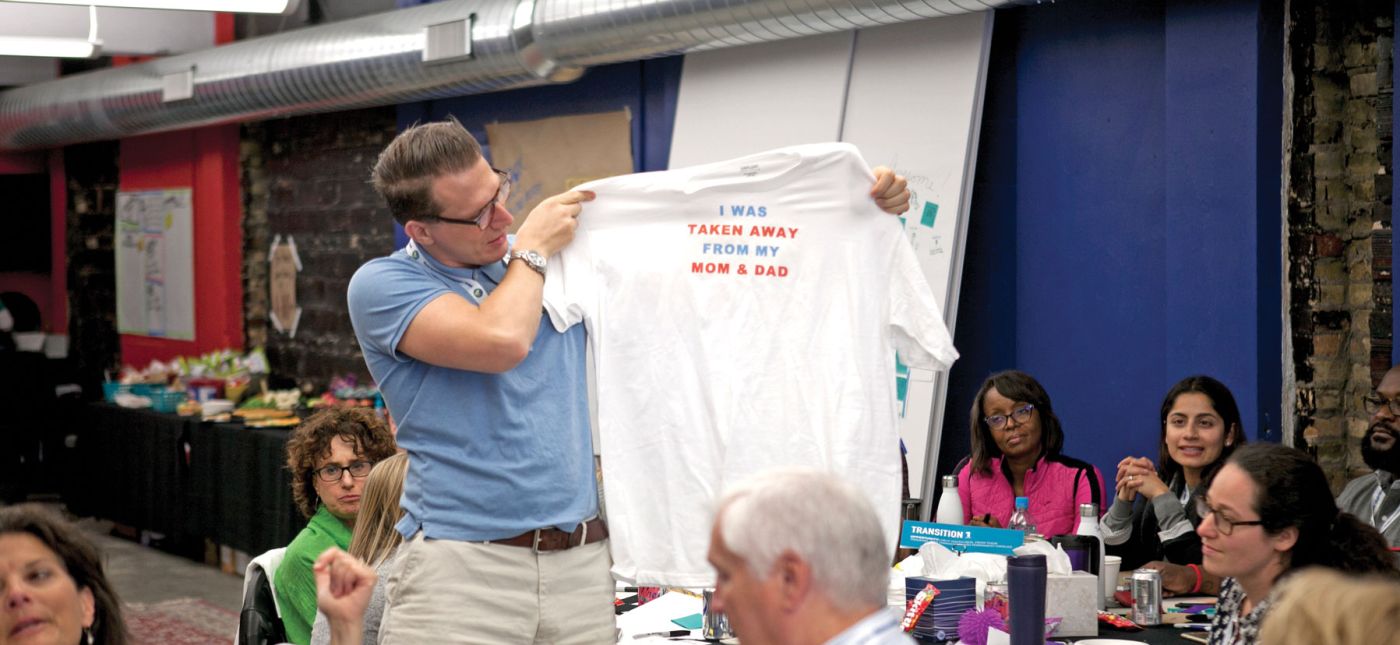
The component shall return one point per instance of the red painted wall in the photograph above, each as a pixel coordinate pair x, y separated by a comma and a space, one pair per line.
206, 160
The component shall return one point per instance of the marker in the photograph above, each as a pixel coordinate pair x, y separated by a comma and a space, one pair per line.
1205, 627
668, 634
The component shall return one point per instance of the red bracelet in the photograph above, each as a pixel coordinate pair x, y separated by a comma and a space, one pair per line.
1196, 569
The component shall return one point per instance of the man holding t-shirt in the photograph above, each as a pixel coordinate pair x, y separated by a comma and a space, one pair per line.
502, 539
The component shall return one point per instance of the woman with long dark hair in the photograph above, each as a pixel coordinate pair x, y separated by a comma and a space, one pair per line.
1152, 522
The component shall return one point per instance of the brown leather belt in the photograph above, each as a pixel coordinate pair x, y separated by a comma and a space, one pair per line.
552, 539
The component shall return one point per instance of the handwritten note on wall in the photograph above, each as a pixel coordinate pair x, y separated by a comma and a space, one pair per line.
155, 263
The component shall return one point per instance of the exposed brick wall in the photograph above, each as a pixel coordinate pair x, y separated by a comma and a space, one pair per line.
307, 178
91, 171
1339, 221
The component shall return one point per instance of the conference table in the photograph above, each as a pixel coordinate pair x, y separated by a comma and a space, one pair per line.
183, 479
190, 481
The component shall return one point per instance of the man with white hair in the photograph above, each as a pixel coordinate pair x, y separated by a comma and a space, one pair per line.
801, 560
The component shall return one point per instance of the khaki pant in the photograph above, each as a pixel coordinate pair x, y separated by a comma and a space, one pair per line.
470, 592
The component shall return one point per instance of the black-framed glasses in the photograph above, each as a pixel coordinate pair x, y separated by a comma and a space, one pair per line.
1019, 415
333, 472
483, 216
1223, 523
1374, 403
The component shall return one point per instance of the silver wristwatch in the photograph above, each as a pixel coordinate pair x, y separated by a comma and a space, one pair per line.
532, 259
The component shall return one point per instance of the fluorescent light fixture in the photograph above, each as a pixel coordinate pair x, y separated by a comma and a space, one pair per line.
48, 47
230, 6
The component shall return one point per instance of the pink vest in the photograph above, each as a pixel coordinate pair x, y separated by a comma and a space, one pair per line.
1056, 487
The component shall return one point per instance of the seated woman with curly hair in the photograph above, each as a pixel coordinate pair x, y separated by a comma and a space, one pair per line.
329, 455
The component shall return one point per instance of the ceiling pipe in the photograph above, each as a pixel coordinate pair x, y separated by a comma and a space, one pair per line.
380, 59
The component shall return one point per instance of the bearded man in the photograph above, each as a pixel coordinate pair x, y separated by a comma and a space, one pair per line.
1375, 497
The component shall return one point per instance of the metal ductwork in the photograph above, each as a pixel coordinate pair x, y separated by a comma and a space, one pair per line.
379, 60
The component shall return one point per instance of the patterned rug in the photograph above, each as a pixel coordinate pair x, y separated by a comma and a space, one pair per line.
186, 621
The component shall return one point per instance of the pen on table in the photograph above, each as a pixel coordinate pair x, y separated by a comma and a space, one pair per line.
667, 634
1205, 627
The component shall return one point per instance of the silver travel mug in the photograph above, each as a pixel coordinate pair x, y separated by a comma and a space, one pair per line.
715, 625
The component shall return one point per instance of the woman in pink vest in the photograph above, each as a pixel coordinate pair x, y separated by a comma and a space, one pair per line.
1016, 443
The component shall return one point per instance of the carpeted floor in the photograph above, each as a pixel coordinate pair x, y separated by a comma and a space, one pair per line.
185, 621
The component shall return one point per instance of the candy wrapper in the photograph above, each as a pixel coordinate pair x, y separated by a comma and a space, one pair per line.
917, 606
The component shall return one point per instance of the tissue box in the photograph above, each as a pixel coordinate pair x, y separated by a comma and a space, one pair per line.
1074, 598
940, 621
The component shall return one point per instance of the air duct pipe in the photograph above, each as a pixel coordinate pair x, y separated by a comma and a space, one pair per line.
380, 59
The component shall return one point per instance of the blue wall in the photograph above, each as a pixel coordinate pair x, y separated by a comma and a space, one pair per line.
1126, 215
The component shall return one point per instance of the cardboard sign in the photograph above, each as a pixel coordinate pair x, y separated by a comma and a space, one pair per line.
959, 538
549, 156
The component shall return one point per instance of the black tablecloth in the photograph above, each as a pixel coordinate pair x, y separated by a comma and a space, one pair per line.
240, 475
185, 479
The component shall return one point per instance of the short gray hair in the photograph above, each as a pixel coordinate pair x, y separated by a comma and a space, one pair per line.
820, 518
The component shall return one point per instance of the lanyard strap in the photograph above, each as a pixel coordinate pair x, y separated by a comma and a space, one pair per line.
1381, 523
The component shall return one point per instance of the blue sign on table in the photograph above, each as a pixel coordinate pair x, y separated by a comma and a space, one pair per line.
956, 537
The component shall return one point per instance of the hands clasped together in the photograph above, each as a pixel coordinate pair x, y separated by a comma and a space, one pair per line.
1138, 475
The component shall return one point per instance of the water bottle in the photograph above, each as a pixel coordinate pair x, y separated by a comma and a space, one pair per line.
1089, 527
950, 510
1025, 577
1021, 519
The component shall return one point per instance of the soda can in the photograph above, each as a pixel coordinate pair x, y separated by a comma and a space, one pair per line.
1147, 597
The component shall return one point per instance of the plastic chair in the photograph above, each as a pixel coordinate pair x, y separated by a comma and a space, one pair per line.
260, 622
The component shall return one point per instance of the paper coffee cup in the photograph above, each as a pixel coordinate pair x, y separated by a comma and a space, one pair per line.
1111, 566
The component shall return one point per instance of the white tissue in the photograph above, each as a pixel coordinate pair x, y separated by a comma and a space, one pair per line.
1056, 560
910, 566
940, 563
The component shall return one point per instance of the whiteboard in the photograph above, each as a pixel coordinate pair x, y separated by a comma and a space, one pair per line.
915, 104
155, 263
910, 97
742, 100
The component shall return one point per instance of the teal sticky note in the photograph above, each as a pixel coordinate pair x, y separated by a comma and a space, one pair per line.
930, 213
692, 621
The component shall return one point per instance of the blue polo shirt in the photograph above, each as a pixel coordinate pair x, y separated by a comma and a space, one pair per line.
490, 455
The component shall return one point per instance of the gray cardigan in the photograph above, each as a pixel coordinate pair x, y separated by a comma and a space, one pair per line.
374, 612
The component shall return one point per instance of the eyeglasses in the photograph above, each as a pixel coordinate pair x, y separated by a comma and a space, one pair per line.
1374, 404
483, 216
333, 472
1019, 415
1224, 524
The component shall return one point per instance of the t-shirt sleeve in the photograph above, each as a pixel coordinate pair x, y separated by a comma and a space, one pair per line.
383, 298
919, 334
569, 284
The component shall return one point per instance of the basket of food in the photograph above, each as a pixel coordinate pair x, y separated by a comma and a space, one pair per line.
166, 400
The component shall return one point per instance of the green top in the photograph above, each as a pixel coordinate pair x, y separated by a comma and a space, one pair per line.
294, 581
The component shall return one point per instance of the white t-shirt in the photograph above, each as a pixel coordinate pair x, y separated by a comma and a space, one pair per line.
743, 315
